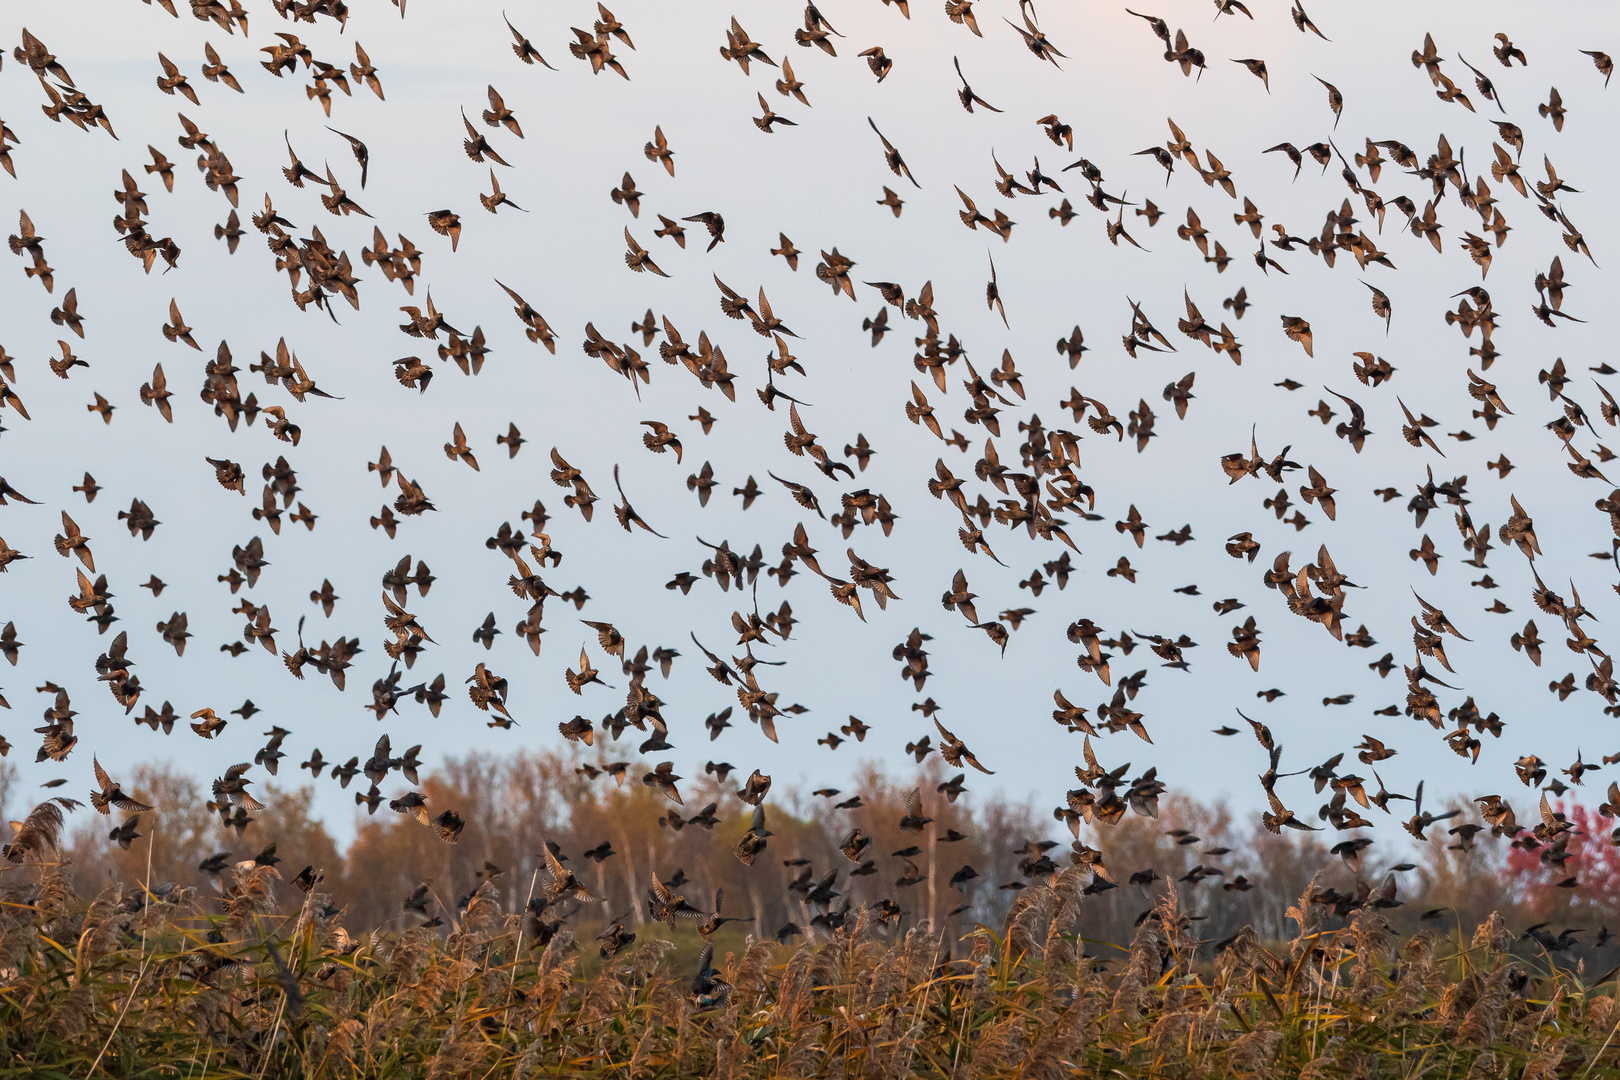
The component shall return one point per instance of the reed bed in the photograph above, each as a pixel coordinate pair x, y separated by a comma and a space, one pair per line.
135, 985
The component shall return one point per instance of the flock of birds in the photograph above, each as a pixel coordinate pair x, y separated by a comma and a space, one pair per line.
1032, 473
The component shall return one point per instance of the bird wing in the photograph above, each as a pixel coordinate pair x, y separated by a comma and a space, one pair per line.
553, 867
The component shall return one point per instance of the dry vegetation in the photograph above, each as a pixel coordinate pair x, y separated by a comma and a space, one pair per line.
1064, 976
129, 985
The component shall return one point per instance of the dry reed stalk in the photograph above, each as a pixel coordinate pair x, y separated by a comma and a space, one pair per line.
1140, 971
117, 1020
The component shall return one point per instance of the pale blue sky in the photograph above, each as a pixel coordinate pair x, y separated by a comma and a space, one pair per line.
817, 182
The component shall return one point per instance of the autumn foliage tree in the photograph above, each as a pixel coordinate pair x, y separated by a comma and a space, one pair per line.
514, 805
1224, 869
1587, 882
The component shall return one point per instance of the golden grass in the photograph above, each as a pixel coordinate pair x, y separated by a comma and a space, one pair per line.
133, 986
